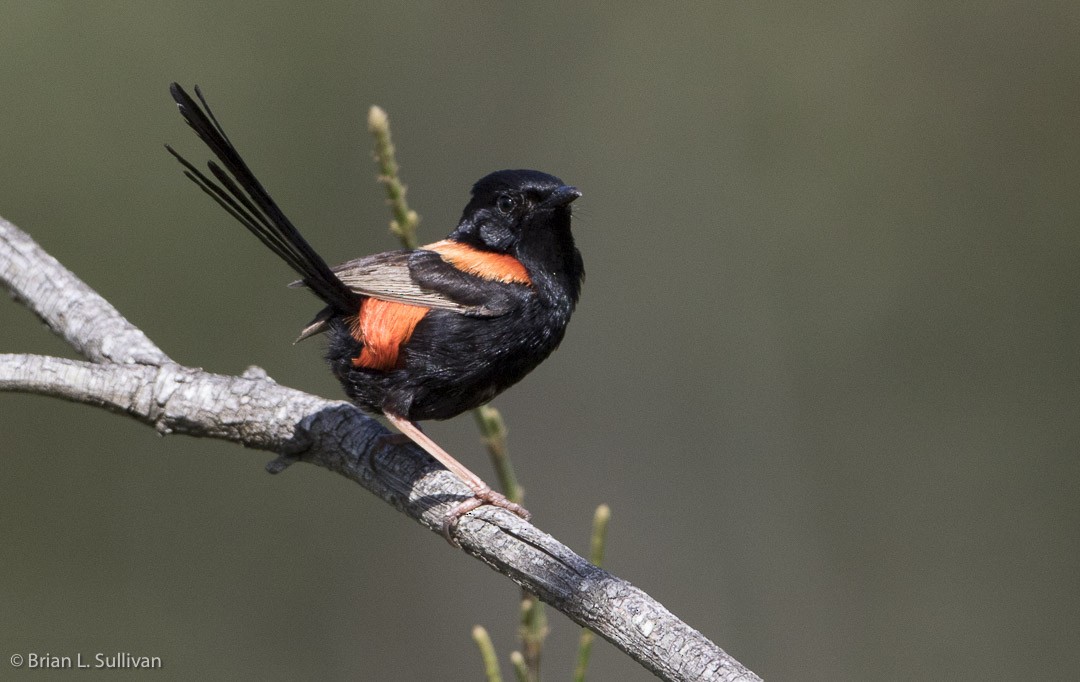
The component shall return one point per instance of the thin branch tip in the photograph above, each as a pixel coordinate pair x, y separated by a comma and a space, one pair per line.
281, 463
377, 119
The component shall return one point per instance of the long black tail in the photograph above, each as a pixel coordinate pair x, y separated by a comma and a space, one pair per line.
243, 196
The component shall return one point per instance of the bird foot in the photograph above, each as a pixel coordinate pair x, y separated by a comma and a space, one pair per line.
479, 499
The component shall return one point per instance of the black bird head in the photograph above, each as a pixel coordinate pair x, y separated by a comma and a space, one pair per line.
526, 214
510, 205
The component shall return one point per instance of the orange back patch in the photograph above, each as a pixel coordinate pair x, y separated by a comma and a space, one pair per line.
384, 327
500, 267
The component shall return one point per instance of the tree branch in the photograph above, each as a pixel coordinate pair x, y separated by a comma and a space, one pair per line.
126, 373
68, 306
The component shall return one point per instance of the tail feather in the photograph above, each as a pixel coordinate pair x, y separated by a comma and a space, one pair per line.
238, 191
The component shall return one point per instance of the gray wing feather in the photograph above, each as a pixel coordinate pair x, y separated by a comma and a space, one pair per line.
386, 276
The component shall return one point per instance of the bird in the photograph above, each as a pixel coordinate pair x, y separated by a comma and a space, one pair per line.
431, 332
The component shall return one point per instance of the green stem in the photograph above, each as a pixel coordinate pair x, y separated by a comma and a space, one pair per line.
521, 672
487, 653
493, 432
534, 630
596, 556
599, 534
405, 220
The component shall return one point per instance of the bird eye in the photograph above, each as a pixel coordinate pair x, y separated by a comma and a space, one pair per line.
505, 203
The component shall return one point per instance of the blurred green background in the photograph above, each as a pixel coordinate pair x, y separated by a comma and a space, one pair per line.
825, 368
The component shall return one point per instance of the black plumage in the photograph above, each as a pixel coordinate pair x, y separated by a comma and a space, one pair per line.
432, 332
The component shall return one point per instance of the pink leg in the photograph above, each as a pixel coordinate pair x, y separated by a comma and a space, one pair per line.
482, 492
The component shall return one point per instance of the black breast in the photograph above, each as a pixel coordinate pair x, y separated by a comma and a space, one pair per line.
452, 362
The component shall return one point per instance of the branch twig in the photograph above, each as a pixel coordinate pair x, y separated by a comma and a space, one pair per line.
125, 372
405, 220
596, 555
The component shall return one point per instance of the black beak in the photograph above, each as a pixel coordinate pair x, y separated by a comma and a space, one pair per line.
562, 196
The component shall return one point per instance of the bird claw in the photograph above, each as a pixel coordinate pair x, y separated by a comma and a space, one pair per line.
479, 499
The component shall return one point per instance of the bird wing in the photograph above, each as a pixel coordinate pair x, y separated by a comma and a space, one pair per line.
388, 276
392, 276
421, 277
